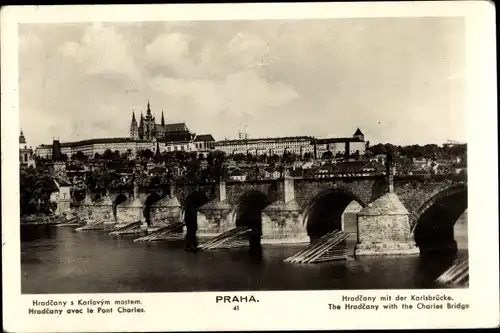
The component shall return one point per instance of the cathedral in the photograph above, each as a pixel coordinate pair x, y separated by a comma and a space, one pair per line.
148, 129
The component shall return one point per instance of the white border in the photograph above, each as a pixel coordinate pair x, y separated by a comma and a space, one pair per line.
296, 310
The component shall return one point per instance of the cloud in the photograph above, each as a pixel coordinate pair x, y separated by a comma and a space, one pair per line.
184, 55
216, 77
244, 92
101, 51
169, 50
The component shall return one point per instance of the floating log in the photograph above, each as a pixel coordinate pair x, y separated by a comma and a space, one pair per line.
228, 239
168, 232
331, 246
458, 273
131, 228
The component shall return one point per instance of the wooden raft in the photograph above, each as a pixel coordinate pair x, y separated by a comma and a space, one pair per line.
456, 274
168, 232
229, 239
331, 246
131, 228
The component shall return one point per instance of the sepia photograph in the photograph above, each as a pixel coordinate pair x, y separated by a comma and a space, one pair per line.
243, 155
172, 156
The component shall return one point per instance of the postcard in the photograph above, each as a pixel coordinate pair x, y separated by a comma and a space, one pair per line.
308, 166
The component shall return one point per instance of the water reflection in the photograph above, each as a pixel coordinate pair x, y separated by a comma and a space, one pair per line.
60, 260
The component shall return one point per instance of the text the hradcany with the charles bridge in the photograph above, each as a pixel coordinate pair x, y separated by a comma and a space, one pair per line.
300, 199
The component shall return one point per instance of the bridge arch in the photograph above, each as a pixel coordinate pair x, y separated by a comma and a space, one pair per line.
192, 203
325, 210
249, 208
121, 197
434, 221
150, 200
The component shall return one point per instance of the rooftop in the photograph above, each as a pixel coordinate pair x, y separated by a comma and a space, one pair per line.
335, 140
204, 137
358, 132
276, 139
99, 140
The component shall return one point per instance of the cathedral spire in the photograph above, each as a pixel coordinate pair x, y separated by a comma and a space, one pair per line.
133, 116
162, 119
148, 111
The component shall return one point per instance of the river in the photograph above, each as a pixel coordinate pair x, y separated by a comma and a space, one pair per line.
60, 260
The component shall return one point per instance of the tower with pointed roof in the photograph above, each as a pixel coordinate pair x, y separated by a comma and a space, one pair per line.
149, 125
22, 141
25, 153
162, 119
141, 127
134, 128
359, 135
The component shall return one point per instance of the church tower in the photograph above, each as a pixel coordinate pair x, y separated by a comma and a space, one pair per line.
141, 127
149, 125
22, 141
134, 129
162, 119
359, 135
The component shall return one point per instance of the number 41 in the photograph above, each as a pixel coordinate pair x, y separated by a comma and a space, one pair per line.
236, 308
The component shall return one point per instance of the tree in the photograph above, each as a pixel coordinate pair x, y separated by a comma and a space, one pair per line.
181, 156
327, 155
238, 157
79, 156
273, 159
147, 154
356, 155
250, 158
36, 187
210, 159
108, 154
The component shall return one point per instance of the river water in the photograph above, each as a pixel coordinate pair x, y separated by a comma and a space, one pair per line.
60, 260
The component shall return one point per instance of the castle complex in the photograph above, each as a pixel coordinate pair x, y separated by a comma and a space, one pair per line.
171, 137
148, 129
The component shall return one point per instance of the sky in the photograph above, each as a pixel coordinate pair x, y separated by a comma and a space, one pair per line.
400, 80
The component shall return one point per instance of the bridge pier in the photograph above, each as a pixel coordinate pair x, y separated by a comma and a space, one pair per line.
103, 210
384, 228
84, 210
282, 221
130, 210
164, 211
215, 217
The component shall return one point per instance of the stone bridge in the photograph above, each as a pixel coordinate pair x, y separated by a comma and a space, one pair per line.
390, 218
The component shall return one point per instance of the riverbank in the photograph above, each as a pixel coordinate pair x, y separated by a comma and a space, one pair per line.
46, 219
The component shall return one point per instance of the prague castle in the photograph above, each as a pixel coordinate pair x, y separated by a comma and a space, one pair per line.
148, 129
171, 137
299, 145
145, 135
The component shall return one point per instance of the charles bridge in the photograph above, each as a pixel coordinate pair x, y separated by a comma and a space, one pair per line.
397, 215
